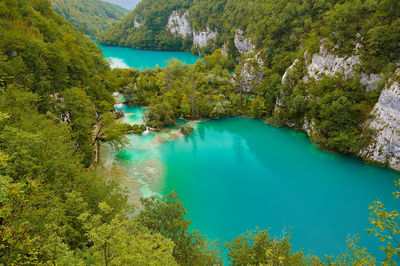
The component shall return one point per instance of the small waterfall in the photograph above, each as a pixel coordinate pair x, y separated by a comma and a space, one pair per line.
147, 131
119, 106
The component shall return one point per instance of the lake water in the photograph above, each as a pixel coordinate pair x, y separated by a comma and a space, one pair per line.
123, 57
238, 174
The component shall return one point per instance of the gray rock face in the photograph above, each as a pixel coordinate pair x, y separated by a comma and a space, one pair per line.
385, 146
250, 75
325, 63
243, 44
179, 24
224, 49
138, 22
289, 71
201, 39
371, 81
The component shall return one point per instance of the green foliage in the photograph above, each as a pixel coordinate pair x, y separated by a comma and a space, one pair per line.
258, 248
166, 217
337, 109
124, 242
387, 228
353, 255
133, 129
56, 108
153, 15
89, 16
159, 116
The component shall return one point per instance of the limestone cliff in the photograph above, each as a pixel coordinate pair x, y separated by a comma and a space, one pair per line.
201, 39
385, 124
179, 24
327, 63
138, 22
242, 43
250, 74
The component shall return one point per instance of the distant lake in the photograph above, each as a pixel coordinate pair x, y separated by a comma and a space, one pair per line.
123, 57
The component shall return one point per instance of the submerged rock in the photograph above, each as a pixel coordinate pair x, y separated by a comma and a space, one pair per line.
186, 130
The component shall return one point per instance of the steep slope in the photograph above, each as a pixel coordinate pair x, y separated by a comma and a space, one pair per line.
63, 70
385, 125
316, 66
89, 16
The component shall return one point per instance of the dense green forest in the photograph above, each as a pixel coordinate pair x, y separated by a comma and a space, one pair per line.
89, 16
283, 31
59, 207
282, 27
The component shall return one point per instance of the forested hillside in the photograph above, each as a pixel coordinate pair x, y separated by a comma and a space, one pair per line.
56, 206
315, 66
59, 207
89, 16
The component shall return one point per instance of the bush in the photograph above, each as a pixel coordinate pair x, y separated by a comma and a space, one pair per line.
159, 116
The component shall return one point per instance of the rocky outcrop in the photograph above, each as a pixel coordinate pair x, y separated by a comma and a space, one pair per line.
224, 49
250, 74
179, 24
371, 81
385, 145
138, 22
242, 43
201, 39
289, 71
326, 63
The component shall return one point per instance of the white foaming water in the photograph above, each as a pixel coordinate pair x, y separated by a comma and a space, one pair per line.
147, 131
119, 105
117, 63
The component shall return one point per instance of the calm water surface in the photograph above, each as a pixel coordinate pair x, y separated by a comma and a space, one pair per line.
238, 174
123, 57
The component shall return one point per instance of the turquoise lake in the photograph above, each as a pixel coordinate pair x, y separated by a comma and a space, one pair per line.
239, 174
123, 57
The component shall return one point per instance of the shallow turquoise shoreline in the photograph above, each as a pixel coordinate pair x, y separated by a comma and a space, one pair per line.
237, 174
